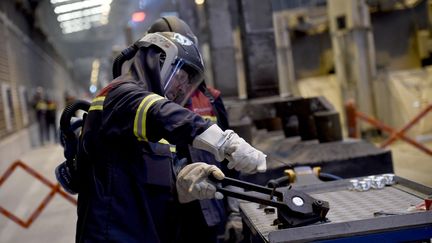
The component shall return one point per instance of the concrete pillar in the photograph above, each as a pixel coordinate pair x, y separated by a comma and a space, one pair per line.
221, 43
187, 10
258, 43
354, 51
285, 62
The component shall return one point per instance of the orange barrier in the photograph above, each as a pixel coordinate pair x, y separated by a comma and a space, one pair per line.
55, 188
353, 114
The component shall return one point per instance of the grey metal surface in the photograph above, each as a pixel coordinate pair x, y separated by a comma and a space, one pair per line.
350, 211
348, 205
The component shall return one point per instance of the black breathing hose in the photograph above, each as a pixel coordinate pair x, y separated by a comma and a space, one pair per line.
68, 137
125, 55
68, 113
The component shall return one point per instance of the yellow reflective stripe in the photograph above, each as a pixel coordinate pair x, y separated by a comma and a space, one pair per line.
100, 98
52, 107
163, 141
96, 107
171, 147
141, 115
97, 103
211, 118
41, 105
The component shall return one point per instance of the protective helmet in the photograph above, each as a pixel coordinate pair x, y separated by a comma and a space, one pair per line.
173, 24
163, 24
179, 64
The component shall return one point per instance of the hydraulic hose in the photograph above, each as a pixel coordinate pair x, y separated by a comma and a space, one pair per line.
329, 177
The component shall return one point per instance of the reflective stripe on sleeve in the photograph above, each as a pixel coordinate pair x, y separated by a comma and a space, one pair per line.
141, 115
97, 103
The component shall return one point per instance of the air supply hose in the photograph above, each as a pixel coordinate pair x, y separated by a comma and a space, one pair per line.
68, 113
66, 172
125, 55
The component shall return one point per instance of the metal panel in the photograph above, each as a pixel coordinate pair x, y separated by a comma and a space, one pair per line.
222, 47
258, 47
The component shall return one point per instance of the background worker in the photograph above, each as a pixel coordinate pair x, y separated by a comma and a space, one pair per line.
39, 105
202, 220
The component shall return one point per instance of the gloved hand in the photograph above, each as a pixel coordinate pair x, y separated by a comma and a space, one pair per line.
193, 183
242, 156
227, 144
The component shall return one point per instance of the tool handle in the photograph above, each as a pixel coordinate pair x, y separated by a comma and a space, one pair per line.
248, 197
274, 183
247, 186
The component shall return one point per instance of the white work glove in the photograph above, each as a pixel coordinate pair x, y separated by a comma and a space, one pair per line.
193, 183
228, 145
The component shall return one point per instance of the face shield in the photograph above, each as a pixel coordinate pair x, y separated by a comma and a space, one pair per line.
181, 65
182, 82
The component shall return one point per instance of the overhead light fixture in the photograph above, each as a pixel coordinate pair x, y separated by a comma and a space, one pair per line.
82, 13
60, 1
80, 5
82, 21
199, 2
74, 15
95, 72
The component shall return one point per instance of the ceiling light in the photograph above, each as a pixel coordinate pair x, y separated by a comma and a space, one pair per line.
80, 5
80, 14
60, 1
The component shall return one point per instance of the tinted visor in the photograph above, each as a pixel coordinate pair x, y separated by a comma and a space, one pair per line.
182, 82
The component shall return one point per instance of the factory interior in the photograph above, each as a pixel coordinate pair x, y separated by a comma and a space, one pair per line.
336, 93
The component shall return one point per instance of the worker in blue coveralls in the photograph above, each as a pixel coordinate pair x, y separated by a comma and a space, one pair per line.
119, 169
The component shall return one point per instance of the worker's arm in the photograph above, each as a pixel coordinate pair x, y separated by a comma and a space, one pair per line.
156, 117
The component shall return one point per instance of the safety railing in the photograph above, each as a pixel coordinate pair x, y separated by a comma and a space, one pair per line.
55, 189
353, 114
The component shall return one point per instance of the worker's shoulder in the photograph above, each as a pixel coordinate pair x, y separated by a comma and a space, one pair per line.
119, 87
125, 86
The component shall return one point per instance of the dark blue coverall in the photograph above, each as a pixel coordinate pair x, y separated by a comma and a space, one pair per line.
122, 181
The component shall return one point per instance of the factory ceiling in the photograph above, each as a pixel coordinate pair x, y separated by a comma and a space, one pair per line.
85, 30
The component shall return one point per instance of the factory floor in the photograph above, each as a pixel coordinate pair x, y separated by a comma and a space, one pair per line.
21, 193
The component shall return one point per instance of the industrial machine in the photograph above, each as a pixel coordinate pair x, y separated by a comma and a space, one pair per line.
294, 208
296, 131
392, 212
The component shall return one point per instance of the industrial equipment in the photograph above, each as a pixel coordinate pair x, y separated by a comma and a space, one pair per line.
392, 213
294, 208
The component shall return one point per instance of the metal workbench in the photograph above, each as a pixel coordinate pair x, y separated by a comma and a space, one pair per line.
351, 216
